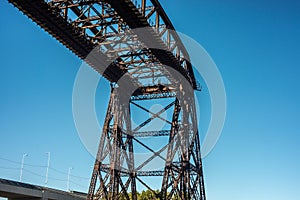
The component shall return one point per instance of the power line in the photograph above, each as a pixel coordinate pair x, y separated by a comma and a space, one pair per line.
42, 176
77, 184
78, 178
31, 172
19, 163
44, 166
52, 178
36, 174
75, 176
12, 168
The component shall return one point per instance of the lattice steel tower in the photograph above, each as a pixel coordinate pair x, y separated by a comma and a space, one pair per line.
133, 44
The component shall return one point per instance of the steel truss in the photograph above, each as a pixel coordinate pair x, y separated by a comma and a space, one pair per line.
123, 52
117, 172
82, 25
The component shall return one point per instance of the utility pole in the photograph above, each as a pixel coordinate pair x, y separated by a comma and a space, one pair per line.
68, 181
48, 165
22, 166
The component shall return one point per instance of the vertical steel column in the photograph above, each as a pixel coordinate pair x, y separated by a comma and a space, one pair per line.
183, 178
114, 153
96, 171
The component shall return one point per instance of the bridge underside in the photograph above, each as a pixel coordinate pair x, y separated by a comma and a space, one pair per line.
83, 25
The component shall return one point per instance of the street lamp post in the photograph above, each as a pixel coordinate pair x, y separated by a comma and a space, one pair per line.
48, 165
68, 182
22, 166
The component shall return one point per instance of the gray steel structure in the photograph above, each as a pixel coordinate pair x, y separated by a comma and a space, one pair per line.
133, 44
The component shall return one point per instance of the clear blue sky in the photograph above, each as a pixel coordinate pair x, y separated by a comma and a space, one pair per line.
256, 45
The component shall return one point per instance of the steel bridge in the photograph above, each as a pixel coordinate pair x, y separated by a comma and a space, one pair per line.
133, 44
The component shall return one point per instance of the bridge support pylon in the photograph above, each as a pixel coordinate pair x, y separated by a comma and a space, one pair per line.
150, 132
